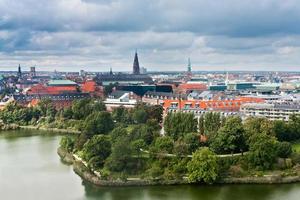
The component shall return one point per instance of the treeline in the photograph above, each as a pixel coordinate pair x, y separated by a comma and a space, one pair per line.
264, 141
132, 145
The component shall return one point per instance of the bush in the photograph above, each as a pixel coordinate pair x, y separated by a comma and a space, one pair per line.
236, 171
284, 149
67, 143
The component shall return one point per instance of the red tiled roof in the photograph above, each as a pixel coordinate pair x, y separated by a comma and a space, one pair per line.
192, 86
42, 89
89, 86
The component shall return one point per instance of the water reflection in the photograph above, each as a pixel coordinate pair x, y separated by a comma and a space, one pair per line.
30, 169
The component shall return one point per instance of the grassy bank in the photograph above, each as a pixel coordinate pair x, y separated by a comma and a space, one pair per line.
51, 129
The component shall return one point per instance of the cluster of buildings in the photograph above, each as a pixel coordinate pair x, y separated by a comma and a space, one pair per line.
263, 94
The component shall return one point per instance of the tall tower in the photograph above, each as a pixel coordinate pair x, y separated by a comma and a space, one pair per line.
19, 71
136, 65
32, 72
189, 69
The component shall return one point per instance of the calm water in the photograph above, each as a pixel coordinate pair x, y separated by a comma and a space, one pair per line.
30, 169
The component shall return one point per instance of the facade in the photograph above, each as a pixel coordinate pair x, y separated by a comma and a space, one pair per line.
120, 98
273, 111
158, 98
230, 105
59, 100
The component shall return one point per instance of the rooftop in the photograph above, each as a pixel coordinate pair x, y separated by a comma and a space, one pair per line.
61, 82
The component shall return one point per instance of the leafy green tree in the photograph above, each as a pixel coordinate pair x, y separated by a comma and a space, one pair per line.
203, 167
284, 149
140, 116
230, 137
180, 147
109, 88
163, 145
80, 141
201, 124
44, 105
98, 123
255, 125
98, 106
193, 141
121, 115
118, 133
67, 113
155, 113
263, 151
212, 123
178, 124
121, 156
282, 131
82, 108
67, 143
294, 127
98, 146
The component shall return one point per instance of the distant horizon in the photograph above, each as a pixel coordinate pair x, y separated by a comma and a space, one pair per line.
151, 71
95, 35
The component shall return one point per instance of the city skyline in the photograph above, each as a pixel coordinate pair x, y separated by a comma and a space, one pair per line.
69, 35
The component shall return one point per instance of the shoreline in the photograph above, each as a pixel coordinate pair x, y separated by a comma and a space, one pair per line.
57, 130
86, 174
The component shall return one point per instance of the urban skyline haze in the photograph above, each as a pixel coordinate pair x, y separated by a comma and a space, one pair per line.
94, 35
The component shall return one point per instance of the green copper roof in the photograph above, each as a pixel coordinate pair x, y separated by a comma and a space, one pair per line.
61, 82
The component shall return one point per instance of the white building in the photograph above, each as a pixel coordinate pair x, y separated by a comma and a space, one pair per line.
270, 111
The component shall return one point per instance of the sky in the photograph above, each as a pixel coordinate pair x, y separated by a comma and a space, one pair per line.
94, 35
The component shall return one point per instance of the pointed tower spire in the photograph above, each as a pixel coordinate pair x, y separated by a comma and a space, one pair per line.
189, 69
136, 65
111, 72
19, 71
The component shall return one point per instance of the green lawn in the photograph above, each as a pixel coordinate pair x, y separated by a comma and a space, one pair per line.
296, 147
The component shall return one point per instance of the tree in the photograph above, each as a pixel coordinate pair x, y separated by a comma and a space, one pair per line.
98, 106
230, 137
121, 115
201, 124
193, 141
284, 149
212, 123
163, 145
263, 151
118, 133
98, 123
203, 167
255, 125
67, 143
140, 116
282, 131
180, 147
98, 146
44, 105
120, 158
155, 112
178, 124
294, 126
81, 108
109, 88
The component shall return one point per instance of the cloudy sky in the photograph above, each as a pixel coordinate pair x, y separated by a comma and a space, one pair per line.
94, 35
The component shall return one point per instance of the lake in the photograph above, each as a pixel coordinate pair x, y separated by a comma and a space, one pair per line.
31, 169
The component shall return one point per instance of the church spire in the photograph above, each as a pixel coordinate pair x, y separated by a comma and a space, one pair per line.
136, 65
189, 69
19, 71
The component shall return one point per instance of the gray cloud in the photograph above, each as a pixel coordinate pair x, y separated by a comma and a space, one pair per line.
96, 34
